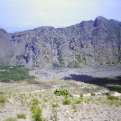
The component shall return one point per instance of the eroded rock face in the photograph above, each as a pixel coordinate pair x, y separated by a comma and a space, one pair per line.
6, 51
89, 42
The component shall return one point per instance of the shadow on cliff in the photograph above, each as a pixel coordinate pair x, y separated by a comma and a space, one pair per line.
113, 84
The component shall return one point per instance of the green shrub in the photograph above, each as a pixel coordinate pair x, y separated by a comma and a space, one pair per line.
2, 99
21, 116
116, 88
36, 111
35, 102
61, 92
67, 100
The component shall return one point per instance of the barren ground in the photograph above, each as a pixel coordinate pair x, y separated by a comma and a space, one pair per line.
93, 90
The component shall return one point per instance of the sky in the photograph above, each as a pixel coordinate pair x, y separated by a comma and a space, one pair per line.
19, 15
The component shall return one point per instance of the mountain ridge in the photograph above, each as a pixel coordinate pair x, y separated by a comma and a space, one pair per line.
49, 26
86, 43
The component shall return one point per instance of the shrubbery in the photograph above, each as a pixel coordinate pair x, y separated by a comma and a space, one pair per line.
2, 99
61, 92
67, 100
21, 116
36, 111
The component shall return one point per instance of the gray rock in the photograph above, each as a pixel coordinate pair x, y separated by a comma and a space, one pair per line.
86, 43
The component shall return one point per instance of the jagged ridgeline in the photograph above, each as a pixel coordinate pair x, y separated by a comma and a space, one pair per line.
86, 43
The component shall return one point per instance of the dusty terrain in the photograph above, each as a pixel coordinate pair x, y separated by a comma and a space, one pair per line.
92, 96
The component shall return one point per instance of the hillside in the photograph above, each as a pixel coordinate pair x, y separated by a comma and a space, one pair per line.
87, 43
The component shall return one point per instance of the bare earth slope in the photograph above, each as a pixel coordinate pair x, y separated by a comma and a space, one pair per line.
92, 96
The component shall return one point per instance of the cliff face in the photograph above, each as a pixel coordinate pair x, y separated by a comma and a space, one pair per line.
6, 50
89, 42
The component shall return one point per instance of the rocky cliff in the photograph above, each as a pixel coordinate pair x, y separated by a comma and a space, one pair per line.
89, 42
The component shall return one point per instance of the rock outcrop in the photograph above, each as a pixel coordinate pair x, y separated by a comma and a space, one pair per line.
89, 42
6, 50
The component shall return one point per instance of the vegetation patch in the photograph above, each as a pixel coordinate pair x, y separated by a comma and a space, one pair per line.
36, 111
113, 100
116, 88
35, 102
2, 99
67, 100
16, 73
21, 116
61, 92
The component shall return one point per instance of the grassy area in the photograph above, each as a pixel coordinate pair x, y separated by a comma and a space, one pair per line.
15, 73
116, 88
112, 100
2, 99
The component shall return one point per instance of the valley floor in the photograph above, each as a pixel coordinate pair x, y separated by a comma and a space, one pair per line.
86, 94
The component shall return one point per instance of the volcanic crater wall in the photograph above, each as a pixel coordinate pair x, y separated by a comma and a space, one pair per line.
86, 43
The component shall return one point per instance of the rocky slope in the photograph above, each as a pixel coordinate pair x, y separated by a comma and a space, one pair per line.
89, 42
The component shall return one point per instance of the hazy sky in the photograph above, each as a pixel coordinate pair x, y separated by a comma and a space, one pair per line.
17, 15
